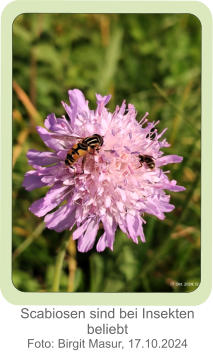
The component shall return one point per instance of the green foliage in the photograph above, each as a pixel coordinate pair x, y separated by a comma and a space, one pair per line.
152, 61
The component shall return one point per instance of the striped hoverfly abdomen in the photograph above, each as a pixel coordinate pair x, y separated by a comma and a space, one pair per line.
86, 146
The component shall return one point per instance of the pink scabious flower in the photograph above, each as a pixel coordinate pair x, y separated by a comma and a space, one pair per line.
111, 186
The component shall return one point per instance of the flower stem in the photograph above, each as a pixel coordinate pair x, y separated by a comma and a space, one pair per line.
59, 266
72, 263
24, 245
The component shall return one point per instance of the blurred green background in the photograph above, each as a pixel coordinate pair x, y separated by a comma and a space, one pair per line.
152, 61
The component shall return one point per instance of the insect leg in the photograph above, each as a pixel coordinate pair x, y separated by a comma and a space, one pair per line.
89, 150
83, 162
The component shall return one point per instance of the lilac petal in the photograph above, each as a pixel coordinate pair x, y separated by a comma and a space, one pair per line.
78, 104
164, 143
58, 125
177, 188
140, 231
123, 226
53, 198
173, 187
166, 207
53, 170
131, 109
69, 112
133, 226
32, 180
169, 185
102, 244
103, 99
41, 158
86, 242
122, 194
168, 160
80, 230
109, 227
50, 121
152, 207
49, 140
101, 102
144, 119
62, 154
162, 133
61, 219
51, 174
122, 108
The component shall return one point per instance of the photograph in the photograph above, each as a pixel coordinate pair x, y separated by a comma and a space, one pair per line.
106, 157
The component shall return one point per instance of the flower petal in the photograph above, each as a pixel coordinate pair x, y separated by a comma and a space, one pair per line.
133, 226
101, 102
58, 125
173, 187
140, 231
61, 219
102, 243
41, 158
32, 180
86, 242
53, 198
168, 159
109, 227
80, 230
49, 140
78, 104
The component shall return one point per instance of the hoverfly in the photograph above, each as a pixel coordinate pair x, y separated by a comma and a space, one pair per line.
85, 146
148, 160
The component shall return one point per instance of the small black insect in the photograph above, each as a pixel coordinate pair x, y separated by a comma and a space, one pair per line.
152, 134
148, 160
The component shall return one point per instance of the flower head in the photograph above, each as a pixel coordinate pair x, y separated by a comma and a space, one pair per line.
114, 184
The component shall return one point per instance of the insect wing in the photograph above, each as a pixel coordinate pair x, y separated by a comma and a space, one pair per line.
66, 137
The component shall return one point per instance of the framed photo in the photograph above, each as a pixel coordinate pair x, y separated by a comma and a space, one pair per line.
105, 176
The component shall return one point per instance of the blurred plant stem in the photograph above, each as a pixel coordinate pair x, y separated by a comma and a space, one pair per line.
17, 149
72, 263
59, 265
24, 245
35, 117
33, 75
37, 29
69, 245
112, 56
